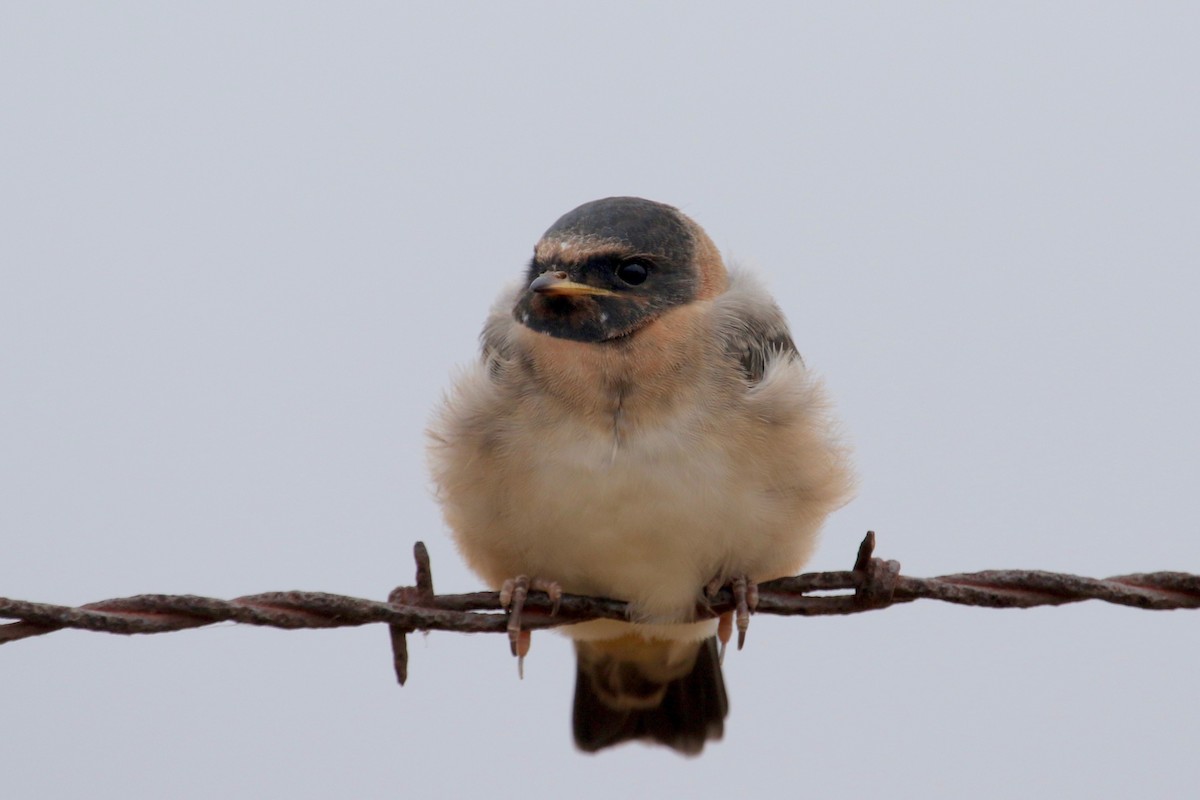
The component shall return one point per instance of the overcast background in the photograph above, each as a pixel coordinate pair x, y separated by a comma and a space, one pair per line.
245, 245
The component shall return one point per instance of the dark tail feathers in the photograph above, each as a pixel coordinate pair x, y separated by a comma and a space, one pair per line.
633, 688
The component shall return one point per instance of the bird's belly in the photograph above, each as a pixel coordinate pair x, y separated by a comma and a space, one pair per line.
650, 520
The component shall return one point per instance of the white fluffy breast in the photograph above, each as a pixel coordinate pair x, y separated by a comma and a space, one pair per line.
538, 477
650, 518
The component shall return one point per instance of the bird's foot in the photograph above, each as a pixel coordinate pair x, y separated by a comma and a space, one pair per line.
745, 598
512, 598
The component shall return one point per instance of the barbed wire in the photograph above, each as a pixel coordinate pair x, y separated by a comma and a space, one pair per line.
872, 584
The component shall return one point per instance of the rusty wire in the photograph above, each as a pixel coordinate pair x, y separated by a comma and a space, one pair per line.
872, 584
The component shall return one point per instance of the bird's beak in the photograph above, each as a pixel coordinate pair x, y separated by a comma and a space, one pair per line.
555, 284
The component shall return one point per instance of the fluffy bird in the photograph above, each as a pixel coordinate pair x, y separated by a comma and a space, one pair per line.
639, 426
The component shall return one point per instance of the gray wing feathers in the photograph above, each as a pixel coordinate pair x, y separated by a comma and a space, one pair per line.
495, 345
752, 328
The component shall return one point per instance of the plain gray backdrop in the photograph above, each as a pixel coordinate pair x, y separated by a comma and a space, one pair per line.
245, 245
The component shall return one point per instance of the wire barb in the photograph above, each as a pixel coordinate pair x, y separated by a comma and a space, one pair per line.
872, 584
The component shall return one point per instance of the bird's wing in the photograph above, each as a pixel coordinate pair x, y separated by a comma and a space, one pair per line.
752, 329
495, 340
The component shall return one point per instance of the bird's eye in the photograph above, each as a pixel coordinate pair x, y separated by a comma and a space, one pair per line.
633, 272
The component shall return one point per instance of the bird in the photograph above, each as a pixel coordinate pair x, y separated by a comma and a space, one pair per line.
638, 426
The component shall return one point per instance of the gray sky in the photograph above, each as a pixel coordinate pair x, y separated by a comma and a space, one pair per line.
246, 245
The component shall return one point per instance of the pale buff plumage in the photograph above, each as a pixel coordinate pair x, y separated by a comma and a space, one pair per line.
648, 497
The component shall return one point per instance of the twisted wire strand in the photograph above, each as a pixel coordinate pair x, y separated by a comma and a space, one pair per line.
873, 584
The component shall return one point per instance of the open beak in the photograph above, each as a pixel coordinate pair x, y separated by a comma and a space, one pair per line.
555, 284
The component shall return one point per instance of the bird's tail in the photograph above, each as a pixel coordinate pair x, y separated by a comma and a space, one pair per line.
669, 692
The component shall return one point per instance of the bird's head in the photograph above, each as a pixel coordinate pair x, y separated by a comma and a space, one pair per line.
610, 267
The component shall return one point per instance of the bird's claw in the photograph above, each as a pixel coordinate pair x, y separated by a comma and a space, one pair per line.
513, 593
745, 599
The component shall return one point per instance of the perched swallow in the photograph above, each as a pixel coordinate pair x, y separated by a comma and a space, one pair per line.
639, 427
